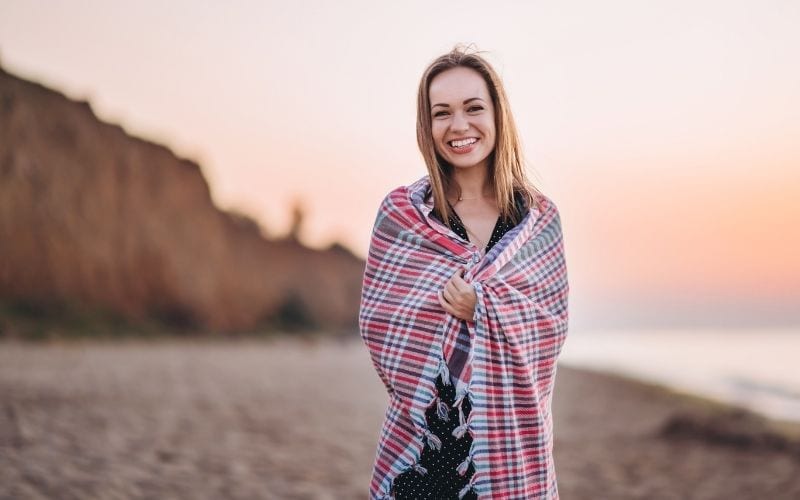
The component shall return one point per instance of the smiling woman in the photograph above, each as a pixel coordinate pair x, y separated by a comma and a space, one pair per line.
464, 304
463, 130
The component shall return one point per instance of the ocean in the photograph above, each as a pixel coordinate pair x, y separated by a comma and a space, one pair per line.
756, 369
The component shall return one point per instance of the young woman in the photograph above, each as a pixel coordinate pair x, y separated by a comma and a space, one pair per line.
464, 319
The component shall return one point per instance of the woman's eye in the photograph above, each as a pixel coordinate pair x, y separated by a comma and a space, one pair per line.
475, 108
440, 113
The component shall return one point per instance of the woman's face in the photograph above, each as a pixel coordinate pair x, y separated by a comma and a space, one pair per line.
462, 117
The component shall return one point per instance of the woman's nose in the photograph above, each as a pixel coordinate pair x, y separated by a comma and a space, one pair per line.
459, 123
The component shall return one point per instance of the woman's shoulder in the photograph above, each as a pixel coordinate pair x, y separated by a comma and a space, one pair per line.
547, 214
546, 204
401, 197
534, 199
405, 191
541, 207
394, 197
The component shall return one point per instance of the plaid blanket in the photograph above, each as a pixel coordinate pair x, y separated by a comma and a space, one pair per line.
516, 334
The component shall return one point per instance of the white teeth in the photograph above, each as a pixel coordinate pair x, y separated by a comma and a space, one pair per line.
463, 142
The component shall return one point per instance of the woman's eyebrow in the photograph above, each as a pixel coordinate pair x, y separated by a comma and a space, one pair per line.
465, 102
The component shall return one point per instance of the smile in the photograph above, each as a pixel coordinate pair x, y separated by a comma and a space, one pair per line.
461, 143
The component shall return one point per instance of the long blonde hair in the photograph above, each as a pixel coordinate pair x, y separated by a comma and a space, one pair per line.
506, 165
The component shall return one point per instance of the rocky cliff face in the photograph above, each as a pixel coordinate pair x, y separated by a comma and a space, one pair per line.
92, 216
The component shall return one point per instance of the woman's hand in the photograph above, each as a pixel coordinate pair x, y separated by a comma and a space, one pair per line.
458, 297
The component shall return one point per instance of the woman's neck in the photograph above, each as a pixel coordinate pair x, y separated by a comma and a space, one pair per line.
472, 183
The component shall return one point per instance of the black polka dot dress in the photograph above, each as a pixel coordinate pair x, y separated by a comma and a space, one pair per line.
443, 473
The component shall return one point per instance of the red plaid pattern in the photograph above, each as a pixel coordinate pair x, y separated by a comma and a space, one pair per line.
517, 332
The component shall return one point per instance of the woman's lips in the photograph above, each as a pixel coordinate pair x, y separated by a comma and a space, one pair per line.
463, 149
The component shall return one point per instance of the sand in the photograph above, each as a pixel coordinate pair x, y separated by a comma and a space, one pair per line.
299, 419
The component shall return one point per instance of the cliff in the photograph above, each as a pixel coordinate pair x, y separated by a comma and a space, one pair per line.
95, 218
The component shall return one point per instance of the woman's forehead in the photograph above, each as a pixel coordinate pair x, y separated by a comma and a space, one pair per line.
455, 85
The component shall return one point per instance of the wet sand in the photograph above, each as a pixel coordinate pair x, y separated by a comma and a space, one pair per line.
299, 419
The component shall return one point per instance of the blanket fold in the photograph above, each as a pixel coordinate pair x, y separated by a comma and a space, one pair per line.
516, 335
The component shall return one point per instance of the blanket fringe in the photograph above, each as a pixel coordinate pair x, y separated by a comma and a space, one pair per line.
460, 395
433, 440
463, 466
389, 494
441, 410
419, 468
444, 372
470, 485
459, 431
463, 425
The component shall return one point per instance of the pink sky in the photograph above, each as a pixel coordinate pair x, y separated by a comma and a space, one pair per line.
667, 132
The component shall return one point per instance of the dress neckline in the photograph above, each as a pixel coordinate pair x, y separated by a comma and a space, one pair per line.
458, 225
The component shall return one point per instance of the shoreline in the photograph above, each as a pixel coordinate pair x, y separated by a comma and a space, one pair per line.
693, 399
755, 369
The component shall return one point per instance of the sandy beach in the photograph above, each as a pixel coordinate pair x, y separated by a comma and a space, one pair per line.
299, 419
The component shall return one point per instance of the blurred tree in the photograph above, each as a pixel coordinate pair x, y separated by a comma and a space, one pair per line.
297, 217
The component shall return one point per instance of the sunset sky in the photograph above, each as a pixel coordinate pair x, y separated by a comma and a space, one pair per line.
668, 133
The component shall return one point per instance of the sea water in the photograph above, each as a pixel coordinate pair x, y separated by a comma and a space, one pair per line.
757, 369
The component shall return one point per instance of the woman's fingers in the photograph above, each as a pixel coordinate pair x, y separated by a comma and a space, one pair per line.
458, 297
458, 294
463, 294
451, 287
454, 309
446, 305
458, 281
451, 294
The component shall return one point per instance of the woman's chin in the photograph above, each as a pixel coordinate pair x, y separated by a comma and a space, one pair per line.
465, 163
